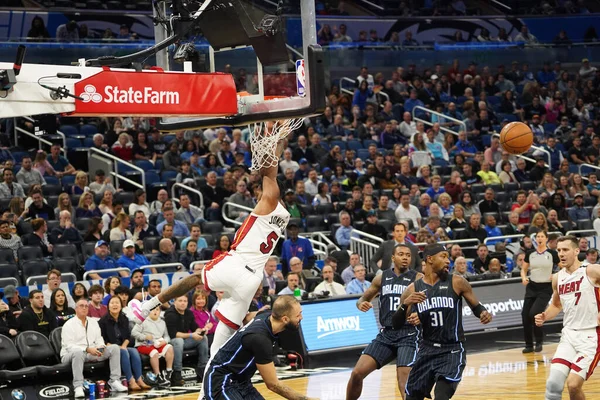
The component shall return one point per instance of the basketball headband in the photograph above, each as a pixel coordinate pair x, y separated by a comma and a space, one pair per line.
433, 250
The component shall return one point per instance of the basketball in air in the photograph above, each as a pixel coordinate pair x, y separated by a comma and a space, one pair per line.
516, 138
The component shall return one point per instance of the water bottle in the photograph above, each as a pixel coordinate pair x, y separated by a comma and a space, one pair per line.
297, 294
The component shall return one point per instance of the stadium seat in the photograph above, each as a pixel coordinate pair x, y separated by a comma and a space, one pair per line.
51, 180
67, 180
89, 366
83, 224
36, 350
363, 154
354, 145
116, 248
68, 265
323, 209
73, 143
145, 165
33, 268
315, 223
165, 176
7, 257
88, 142
340, 143
9, 271
10, 358
528, 185
66, 251
68, 130
52, 224
125, 197
150, 243
88, 130
87, 250
511, 187
29, 253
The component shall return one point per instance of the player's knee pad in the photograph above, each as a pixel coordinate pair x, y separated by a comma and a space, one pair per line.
556, 381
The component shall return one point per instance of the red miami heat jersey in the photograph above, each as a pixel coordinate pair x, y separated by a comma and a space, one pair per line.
258, 235
580, 299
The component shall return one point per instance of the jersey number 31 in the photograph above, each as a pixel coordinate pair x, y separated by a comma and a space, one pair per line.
267, 246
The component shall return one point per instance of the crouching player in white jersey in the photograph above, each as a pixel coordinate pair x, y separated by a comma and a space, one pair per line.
238, 272
577, 294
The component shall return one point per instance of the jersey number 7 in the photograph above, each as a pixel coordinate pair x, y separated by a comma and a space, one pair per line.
267, 246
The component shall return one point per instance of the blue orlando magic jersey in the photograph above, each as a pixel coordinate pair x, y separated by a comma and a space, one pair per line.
440, 313
392, 287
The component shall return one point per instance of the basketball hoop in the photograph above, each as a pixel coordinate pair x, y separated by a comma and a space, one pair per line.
264, 137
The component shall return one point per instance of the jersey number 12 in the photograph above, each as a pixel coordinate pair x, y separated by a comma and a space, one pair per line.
267, 246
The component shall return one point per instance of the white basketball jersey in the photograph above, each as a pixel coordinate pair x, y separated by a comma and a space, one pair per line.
258, 235
580, 299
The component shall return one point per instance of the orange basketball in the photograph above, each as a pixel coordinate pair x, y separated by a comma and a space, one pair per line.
516, 138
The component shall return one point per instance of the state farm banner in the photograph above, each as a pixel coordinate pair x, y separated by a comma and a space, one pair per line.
124, 93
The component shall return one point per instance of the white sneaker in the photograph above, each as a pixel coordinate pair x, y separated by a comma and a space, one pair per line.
137, 310
116, 386
79, 393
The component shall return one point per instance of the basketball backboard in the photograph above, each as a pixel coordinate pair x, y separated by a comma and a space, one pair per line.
275, 90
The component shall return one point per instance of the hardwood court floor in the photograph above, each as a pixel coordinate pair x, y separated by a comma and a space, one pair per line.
498, 375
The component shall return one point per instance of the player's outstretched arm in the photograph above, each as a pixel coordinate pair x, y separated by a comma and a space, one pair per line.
364, 302
464, 289
555, 306
269, 375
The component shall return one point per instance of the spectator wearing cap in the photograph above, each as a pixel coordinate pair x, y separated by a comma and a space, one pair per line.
295, 246
101, 260
539, 169
37, 317
303, 169
578, 212
372, 227
65, 232
16, 304
130, 259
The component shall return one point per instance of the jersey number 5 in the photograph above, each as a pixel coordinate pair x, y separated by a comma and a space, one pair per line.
267, 246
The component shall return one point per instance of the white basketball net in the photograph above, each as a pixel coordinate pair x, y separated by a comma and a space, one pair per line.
264, 137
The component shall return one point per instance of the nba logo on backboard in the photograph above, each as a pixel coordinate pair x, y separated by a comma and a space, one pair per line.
300, 78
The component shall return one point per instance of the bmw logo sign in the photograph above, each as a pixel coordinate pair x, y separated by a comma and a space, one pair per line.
18, 394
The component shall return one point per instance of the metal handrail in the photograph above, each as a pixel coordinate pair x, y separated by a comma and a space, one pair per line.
457, 241
345, 78
429, 111
588, 166
368, 235
319, 249
59, 133
161, 266
189, 189
580, 231
5, 281
38, 138
519, 236
377, 6
98, 271
44, 277
230, 204
117, 160
323, 237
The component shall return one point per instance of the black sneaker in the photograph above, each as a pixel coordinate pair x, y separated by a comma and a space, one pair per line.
528, 349
538, 348
161, 381
176, 379
168, 374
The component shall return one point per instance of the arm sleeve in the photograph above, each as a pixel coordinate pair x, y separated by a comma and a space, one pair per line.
260, 346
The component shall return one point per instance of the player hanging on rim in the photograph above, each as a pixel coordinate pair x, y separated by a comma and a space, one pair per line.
390, 344
437, 299
576, 292
238, 272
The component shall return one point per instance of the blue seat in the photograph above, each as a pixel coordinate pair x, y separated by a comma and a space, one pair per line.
51, 180
340, 143
363, 154
67, 180
159, 165
166, 175
509, 117
368, 142
144, 164
151, 178
73, 143
88, 130
123, 168
88, 142
549, 128
69, 130
168, 138
397, 111
574, 168
18, 156
486, 140
461, 100
494, 100
354, 145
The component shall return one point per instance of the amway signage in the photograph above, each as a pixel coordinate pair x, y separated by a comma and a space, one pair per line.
156, 93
